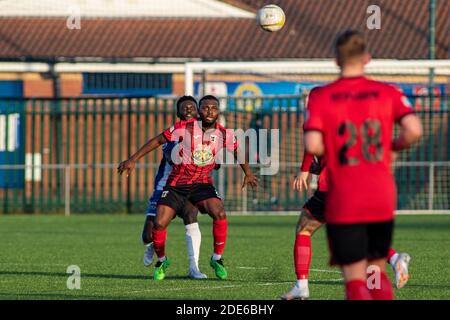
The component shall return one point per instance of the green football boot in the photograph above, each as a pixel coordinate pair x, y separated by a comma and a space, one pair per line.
219, 268
160, 269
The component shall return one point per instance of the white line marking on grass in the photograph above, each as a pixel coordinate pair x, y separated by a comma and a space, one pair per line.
331, 280
228, 286
34, 264
265, 268
180, 289
321, 270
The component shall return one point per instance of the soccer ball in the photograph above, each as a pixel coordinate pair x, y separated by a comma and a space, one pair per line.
271, 18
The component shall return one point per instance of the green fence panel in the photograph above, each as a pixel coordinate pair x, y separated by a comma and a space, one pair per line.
92, 135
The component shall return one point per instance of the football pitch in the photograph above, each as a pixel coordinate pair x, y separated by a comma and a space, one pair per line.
35, 252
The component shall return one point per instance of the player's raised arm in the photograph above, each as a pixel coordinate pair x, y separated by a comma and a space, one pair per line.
152, 144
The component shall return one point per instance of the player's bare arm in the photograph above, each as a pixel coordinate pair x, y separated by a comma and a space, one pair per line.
314, 143
152, 144
410, 132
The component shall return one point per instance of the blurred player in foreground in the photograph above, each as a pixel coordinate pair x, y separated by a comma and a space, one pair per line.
186, 110
312, 217
200, 142
350, 123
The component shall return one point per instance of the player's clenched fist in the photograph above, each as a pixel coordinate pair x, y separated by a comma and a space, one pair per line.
301, 181
127, 165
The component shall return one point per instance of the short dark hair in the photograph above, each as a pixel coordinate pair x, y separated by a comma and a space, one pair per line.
183, 99
208, 97
349, 44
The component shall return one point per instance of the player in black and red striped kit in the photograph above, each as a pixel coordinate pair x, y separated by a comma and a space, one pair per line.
351, 123
201, 143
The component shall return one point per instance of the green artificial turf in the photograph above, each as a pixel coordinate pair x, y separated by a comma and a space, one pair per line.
35, 252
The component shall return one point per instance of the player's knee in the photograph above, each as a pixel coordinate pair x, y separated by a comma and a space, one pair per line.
189, 219
160, 225
306, 226
304, 230
218, 214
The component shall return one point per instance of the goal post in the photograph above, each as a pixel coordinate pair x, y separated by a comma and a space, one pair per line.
253, 95
377, 67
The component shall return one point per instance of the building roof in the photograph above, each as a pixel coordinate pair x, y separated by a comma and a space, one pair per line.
310, 29
122, 9
404, 25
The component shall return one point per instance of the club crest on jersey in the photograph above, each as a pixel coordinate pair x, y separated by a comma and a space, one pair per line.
213, 138
202, 155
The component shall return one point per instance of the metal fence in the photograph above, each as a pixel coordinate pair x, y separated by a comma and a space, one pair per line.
55, 150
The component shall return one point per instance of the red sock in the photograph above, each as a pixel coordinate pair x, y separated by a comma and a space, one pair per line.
357, 290
302, 256
159, 241
385, 290
391, 252
220, 235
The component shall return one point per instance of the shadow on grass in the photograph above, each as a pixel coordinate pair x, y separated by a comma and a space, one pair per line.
53, 296
65, 275
108, 276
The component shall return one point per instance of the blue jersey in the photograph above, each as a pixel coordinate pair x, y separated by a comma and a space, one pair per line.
164, 170
165, 167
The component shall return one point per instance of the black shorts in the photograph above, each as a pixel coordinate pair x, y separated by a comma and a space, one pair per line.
350, 243
176, 196
315, 206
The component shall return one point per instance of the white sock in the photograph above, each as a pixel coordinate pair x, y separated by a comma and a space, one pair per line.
303, 283
193, 242
162, 259
393, 259
216, 256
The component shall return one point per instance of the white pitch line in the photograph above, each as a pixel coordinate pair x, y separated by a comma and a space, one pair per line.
265, 268
35, 264
180, 289
229, 286
321, 270
215, 287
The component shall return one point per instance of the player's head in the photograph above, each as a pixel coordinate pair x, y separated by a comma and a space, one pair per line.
187, 108
208, 109
351, 49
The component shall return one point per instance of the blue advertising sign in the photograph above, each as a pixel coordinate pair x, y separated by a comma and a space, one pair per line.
254, 90
11, 149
